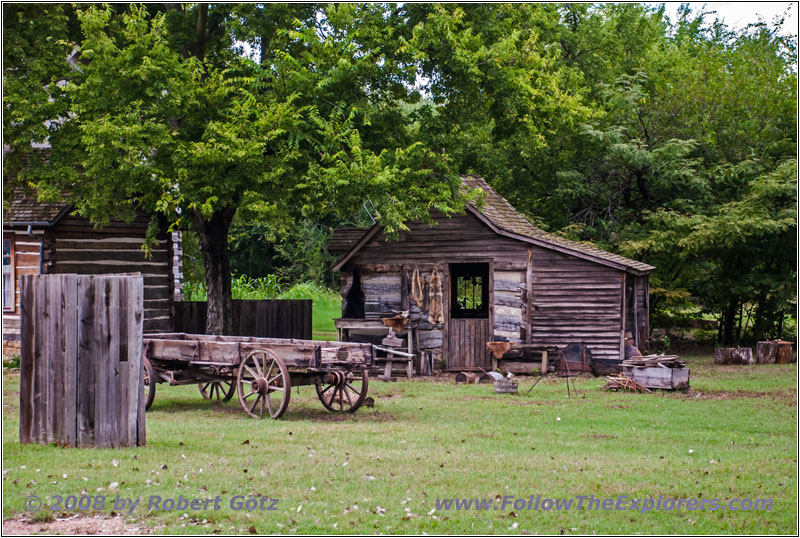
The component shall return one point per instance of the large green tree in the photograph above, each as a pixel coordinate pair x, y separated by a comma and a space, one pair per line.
188, 111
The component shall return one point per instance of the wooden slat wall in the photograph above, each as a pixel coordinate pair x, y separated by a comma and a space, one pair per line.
458, 239
81, 363
575, 301
75, 246
641, 299
572, 300
267, 318
462, 237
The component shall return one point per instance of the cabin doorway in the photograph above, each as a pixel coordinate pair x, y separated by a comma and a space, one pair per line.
468, 327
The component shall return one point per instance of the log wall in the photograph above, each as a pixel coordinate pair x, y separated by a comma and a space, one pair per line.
540, 296
81, 378
73, 245
458, 239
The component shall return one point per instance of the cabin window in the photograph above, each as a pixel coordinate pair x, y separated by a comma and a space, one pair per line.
354, 301
469, 290
9, 289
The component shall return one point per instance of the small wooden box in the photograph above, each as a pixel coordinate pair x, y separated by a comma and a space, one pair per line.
656, 377
501, 386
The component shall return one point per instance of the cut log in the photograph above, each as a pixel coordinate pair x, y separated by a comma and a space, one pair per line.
774, 352
733, 355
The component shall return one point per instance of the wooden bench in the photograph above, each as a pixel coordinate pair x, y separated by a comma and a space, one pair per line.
393, 356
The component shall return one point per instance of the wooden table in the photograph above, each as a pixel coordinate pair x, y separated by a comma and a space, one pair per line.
538, 348
345, 325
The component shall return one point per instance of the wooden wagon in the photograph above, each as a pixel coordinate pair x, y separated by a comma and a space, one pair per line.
261, 371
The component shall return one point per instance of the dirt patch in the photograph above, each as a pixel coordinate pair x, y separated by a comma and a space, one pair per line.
789, 397
601, 436
72, 525
377, 416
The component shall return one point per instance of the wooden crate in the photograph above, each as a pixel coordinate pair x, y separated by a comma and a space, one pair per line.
81, 378
658, 377
501, 386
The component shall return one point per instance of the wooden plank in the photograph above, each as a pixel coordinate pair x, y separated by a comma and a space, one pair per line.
98, 354
529, 297
70, 322
86, 370
41, 364
26, 366
55, 371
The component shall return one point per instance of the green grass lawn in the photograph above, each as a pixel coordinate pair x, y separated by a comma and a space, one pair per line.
381, 469
324, 311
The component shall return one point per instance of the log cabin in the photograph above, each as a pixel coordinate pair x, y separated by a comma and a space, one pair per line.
501, 280
44, 238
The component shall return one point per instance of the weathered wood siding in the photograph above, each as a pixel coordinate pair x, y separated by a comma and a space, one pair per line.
637, 290
539, 295
81, 362
26, 262
576, 301
458, 239
290, 318
73, 245
509, 306
461, 237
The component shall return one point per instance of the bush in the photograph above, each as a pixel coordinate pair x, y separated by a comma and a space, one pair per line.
268, 287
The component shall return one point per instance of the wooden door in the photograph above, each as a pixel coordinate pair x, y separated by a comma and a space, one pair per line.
466, 342
469, 316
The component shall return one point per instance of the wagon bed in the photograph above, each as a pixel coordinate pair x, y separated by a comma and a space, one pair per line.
260, 370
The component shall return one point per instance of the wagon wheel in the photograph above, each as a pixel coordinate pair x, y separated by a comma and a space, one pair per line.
149, 384
263, 384
219, 391
346, 396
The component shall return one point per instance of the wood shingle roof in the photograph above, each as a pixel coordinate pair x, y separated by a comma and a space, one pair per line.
505, 218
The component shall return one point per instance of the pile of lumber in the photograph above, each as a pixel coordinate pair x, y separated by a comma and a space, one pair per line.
622, 382
657, 372
658, 361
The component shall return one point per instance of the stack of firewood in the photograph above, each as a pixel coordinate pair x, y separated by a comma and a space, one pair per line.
621, 382
663, 361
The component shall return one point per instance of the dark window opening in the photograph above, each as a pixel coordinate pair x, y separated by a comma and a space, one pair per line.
469, 290
354, 299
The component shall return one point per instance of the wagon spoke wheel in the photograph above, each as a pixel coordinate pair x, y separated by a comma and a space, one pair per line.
346, 396
149, 384
218, 391
263, 384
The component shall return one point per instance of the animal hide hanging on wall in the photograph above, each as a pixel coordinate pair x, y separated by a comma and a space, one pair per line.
436, 314
416, 287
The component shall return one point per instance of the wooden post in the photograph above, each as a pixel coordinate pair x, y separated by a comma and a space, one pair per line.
635, 312
622, 319
544, 362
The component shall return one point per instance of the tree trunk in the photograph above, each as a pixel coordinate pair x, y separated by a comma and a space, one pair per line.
213, 236
730, 322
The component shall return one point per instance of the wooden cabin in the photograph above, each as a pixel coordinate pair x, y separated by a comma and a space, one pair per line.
501, 279
43, 238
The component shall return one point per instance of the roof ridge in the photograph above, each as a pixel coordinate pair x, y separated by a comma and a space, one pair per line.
506, 217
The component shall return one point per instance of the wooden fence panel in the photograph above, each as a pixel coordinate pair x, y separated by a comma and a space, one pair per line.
81, 361
266, 318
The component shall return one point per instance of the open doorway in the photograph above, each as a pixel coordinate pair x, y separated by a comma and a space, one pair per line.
468, 330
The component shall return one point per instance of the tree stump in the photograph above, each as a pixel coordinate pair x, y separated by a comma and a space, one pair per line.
774, 352
733, 355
